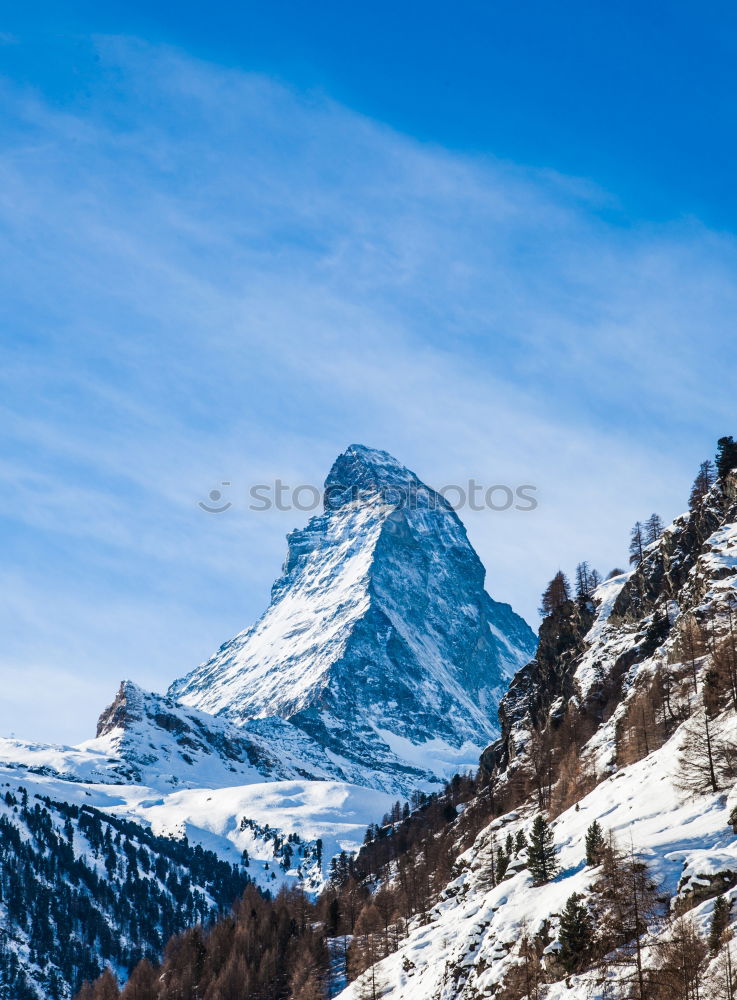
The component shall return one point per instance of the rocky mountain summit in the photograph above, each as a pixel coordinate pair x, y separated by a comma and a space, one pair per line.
380, 642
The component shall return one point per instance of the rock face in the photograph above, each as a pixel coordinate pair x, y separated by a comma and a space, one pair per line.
380, 642
163, 743
586, 653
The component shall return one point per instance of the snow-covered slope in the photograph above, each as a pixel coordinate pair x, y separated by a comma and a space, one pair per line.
380, 642
471, 942
332, 811
604, 725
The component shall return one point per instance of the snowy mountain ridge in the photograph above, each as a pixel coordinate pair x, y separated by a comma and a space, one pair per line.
380, 638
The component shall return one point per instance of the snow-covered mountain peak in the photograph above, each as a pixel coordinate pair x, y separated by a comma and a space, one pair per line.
380, 638
369, 474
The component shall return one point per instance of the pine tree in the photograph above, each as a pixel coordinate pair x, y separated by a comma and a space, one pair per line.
520, 842
726, 458
637, 544
556, 594
595, 844
541, 852
703, 482
654, 528
719, 922
575, 935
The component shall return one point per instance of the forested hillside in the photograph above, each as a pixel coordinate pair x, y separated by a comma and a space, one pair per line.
81, 890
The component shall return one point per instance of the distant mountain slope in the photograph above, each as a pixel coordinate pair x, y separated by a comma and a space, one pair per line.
80, 889
380, 642
165, 743
106, 908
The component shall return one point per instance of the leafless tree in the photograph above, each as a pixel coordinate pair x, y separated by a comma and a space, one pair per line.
703, 749
681, 957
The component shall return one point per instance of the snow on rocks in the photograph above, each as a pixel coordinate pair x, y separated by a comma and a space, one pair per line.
380, 643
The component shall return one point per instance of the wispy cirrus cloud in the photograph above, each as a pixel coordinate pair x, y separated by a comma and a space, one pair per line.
211, 277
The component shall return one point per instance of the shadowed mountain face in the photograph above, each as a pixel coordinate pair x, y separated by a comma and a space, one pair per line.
380, 642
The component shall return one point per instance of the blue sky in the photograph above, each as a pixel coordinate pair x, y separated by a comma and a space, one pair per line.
498, 242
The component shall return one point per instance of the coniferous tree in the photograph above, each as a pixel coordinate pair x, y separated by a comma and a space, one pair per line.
637, 544
628, 902
540, 756
365, 951
143, 983
719, 922
723, 984
703, 482
654, 528
526, 979
726, 458
541, 852
106, 987
305, 983
681, 960
595, 844
723, 669
576, 934
691, 646
587, 580
556, 594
